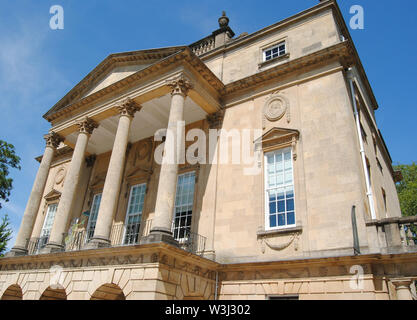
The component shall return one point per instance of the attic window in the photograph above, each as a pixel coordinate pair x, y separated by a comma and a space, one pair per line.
275, 51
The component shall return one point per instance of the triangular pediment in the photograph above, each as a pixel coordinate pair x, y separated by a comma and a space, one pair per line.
53, 195
276, 134
111, 70
116, 74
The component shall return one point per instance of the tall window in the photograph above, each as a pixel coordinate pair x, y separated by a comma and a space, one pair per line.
47, 224
184, 202
275, 51
279, 189
134, 213
92, 220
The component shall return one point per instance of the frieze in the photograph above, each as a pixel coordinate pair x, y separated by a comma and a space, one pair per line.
117, 260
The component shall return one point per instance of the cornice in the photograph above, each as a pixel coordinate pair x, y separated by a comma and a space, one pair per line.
376, 258
340, 51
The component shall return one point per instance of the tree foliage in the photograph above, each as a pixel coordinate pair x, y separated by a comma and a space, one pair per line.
5, 234
407, 189
8, 160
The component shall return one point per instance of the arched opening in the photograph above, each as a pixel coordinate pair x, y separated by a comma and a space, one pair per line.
14, 292
108, 292
53, 293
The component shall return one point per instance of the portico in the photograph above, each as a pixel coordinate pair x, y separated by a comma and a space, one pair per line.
163, 99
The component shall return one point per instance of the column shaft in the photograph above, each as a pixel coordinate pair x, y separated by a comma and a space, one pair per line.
32, 207
165, 198
34, 201
72, 178
113, 181
169, 170
112, 184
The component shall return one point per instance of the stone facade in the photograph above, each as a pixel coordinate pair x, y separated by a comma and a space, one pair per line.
313, 100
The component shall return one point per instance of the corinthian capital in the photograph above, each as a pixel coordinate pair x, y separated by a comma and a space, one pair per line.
180, 85
128, 107
53, 139
87, 125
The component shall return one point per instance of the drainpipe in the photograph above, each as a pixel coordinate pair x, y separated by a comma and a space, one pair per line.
362, 150
217, 285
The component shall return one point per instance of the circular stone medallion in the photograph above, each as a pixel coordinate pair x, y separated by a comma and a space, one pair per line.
275, 108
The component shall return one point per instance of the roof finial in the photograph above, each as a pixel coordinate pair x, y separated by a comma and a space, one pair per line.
223, 20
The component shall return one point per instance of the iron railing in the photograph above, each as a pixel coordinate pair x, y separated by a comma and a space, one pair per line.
121, 236
130, 234
192, 242
35, 245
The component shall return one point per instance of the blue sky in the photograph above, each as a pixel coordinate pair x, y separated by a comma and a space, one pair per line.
38, 66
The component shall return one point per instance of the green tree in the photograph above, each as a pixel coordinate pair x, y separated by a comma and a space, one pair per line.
5, 234
407, 193
8, 160
407, 189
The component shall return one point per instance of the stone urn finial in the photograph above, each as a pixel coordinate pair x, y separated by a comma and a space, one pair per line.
223, 20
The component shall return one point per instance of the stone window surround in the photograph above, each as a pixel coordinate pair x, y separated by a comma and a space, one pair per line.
263, 63
49, 200
268, 145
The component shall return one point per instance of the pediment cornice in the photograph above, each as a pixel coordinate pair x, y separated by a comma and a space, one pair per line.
180, 55
53, 195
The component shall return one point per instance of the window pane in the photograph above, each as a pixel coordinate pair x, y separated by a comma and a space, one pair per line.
272, 195
281, 206
272, 207
272, 221
281, 220
290, 204
290, 218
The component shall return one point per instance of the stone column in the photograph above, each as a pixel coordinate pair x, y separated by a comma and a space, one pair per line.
86, 127
113, 181
162, 222
52, 142
403, 288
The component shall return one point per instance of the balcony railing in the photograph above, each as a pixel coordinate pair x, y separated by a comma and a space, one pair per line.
121, 235
35, 245
203, 45
192, 242
408, 233
396, 234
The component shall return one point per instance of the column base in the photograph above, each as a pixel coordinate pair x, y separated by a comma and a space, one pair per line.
16, 252
156, 236
52, 248
97, 243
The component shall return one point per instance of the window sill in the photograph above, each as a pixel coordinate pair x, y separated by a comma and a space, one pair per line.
265, 63
263, 233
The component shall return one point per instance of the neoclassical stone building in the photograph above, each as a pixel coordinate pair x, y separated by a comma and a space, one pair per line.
306, 208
